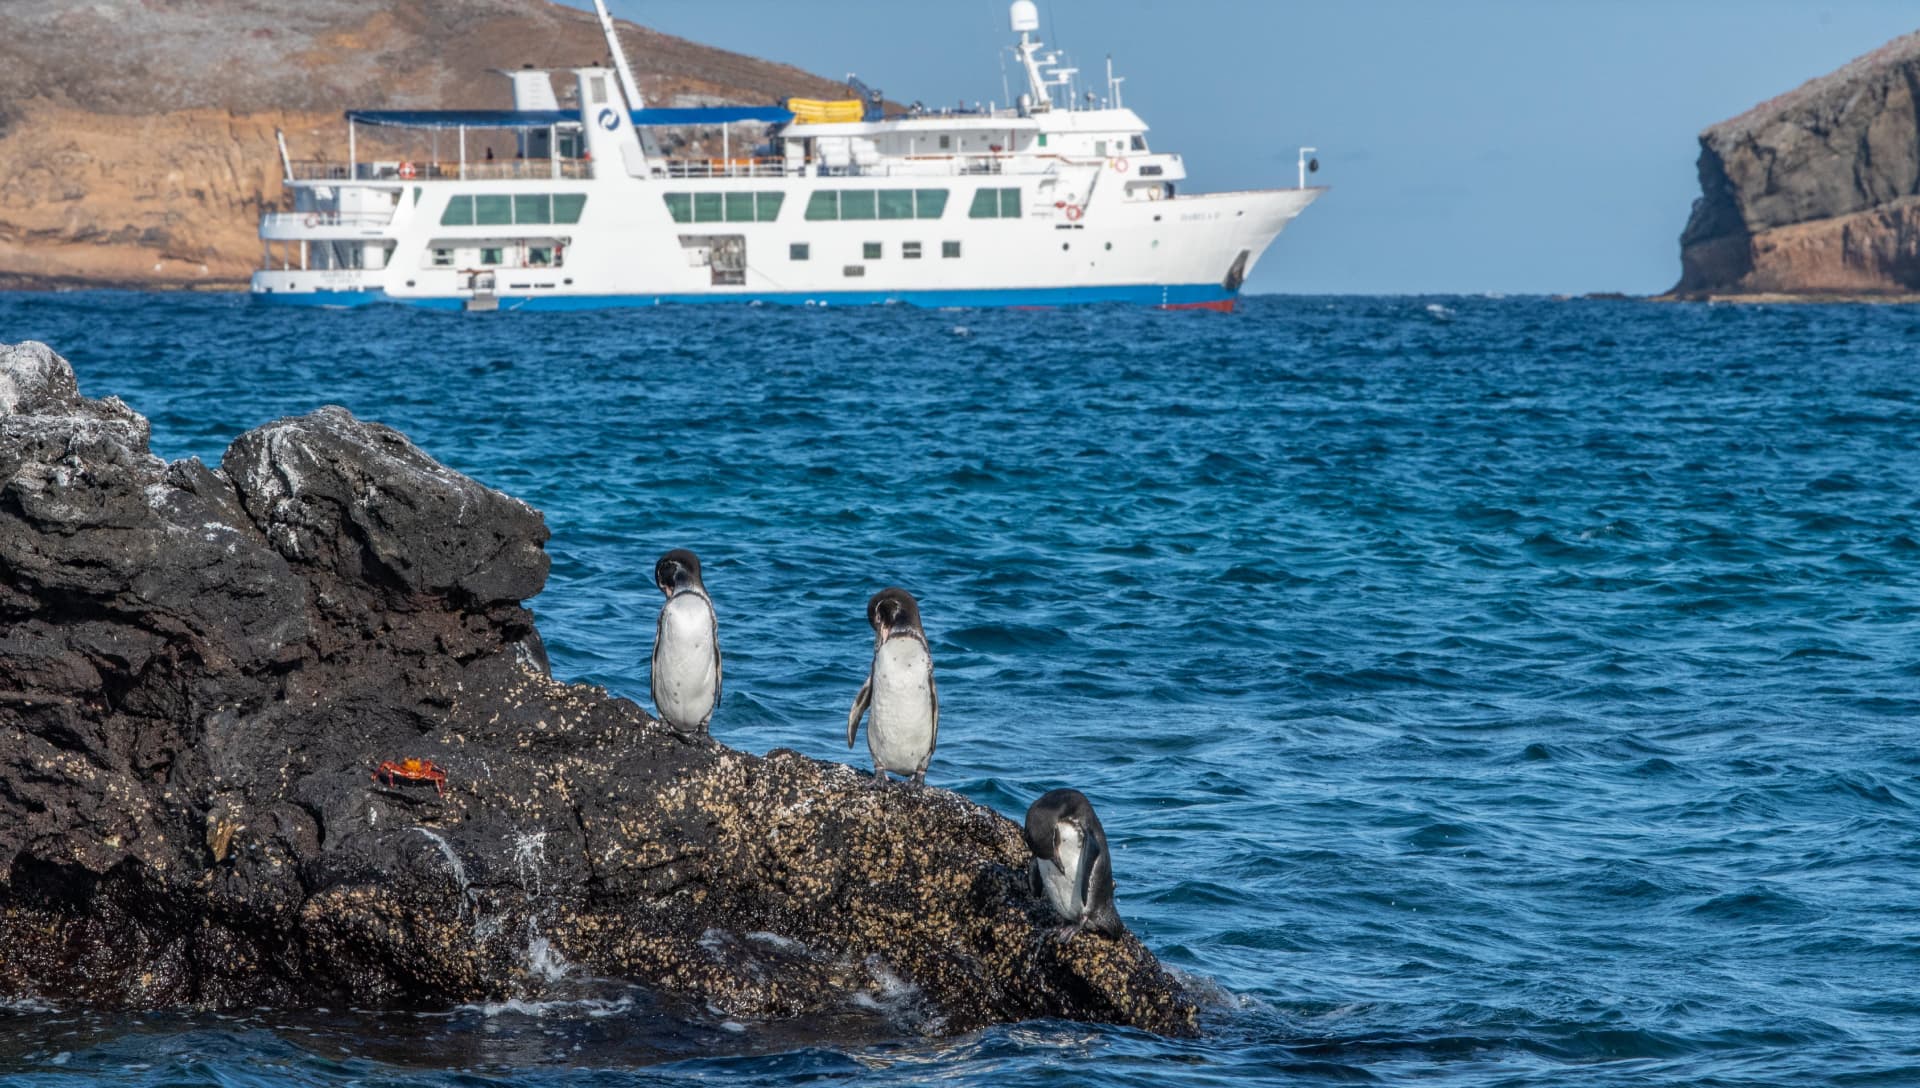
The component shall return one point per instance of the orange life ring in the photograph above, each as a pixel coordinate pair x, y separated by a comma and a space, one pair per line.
407, 171
1074, 212
1121, 166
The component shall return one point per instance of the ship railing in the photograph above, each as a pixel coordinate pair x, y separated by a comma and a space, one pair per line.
403, 170
314, 219
724, 168
924, 166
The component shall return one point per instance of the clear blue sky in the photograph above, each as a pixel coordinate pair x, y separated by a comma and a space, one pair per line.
1518, 146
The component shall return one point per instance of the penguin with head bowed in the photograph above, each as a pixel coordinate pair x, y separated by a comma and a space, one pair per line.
899, 690
686, 646
1070, 865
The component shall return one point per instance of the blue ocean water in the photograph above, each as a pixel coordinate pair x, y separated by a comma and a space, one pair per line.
1475, 691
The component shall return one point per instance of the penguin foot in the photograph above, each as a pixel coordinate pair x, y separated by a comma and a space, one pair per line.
919, 778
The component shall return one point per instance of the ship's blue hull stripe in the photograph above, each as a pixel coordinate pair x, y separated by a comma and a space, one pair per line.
1139, 294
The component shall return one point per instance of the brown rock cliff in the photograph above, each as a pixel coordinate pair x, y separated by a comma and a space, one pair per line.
1816, 192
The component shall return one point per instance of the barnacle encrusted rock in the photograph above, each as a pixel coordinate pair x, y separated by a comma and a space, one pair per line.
200, 668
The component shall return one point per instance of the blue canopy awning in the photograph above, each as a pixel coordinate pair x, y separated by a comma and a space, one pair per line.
705, 115
713, 115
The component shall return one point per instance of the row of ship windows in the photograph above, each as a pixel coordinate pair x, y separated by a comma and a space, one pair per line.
873, 251
834, 205
503, 210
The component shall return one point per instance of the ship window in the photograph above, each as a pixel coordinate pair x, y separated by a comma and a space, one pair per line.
1139, 143
459, 212
950, 250
680, 206
707, 208
910, 250
857, 204
1043, 139
854, 270
896, 204
539, 256
871, 251
491, 255
739, 207
443, 258
493, 211
416, 195
996, 204
568, 206
799, 251
946, 143
532, 208
824, 205
929, 203
768, 205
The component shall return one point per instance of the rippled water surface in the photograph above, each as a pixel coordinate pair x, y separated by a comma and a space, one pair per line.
1476, 692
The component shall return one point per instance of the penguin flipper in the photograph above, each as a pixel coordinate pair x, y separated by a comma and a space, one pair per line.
933, 694
717, 671
859, 710
653, 668
1096, 879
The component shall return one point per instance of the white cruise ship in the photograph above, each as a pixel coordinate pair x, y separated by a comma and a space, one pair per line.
1058, 198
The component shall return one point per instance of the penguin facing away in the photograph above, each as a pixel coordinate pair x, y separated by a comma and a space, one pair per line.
686, 646
899, 690
1070, 864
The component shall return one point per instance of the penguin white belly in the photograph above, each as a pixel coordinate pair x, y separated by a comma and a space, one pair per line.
684, 662
900, 733
1062, 878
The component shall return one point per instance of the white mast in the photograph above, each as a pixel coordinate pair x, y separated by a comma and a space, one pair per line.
1025, 18
627, 84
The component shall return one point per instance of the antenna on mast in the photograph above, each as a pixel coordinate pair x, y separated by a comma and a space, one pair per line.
627, 84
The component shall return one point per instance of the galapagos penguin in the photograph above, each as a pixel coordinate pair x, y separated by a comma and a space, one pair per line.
686, 646
899, 689
1070, 865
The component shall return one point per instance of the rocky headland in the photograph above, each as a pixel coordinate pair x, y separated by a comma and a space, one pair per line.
1815, 193
202, 667
137, 137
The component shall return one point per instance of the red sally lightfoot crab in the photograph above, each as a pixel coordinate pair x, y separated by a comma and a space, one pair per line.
412, 770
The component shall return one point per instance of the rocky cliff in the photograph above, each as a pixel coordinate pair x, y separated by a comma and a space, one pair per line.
202, 670
137, 136
1815, 192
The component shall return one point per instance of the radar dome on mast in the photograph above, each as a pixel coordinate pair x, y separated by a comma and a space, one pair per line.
1025, 16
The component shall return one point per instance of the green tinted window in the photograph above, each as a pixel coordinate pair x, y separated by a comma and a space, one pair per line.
459, 212
769, 205
824, 205
1009, 203
680, 206
707, 208
870, 251
930, 203
855, 204
492, 211
568, 206
986, 204
739, 207
533, 208
896, 204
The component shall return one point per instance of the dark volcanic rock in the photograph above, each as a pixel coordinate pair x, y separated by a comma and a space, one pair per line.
1816, 191
200, 670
